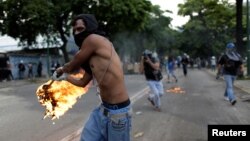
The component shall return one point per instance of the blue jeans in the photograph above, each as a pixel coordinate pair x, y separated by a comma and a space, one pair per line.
229, 92
157, 88
114, 126
171, 74
184, 67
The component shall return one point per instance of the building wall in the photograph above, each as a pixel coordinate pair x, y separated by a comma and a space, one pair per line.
34, 60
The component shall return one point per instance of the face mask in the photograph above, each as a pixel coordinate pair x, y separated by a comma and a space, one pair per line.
80, 37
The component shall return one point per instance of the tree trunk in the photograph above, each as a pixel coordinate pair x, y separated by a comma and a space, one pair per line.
60, 21
239, 34
65, 53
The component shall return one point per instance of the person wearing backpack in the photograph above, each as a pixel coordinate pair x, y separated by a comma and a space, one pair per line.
150, 66
231, 63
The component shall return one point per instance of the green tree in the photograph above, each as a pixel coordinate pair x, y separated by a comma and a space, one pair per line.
28, 19
211, 25
155, 35
239, 28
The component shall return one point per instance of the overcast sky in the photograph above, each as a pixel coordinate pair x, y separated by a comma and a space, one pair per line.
172, 6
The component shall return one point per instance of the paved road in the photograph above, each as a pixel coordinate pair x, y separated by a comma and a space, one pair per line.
21, 116
184, 117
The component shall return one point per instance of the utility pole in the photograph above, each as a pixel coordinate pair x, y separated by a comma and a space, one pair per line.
248, 42
48, 60
48, 63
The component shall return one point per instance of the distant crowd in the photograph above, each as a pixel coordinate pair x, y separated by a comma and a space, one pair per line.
26, 70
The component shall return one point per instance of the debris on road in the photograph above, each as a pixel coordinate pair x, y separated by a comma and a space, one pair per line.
138, 113
138, 134
176, 90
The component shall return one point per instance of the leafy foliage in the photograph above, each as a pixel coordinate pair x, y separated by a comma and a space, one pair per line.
132, 25
28, 19
156, 35
211, 24
24, 19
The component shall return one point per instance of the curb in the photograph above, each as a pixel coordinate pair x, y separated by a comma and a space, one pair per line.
236, 83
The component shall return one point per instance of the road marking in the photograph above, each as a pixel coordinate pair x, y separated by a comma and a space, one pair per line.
139, 95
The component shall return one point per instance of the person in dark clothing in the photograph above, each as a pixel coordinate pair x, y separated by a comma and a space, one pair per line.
21, 69
39, 69
184, 61
231, 63
30, 70
150, 66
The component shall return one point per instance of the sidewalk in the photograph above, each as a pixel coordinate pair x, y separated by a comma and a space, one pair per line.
16, 83
241, 84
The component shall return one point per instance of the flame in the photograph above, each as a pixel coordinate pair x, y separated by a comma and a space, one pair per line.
175, 90
59, 96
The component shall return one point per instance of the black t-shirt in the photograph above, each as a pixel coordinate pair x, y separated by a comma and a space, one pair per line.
149, 71
229, 66
21, 67
184, 61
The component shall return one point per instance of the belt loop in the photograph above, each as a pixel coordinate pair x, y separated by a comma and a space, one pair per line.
115, 107
105, 112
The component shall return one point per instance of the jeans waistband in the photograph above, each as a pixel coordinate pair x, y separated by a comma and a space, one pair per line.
116, 113
116, 106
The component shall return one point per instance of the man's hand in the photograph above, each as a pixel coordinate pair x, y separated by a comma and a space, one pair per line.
58, 77
59, 71
146, 59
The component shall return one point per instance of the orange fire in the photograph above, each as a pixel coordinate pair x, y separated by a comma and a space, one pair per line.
175, 90
59, 96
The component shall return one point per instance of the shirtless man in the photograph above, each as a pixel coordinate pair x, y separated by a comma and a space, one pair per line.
112, 119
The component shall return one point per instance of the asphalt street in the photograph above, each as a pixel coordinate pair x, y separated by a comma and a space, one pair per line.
22, 116
184, 117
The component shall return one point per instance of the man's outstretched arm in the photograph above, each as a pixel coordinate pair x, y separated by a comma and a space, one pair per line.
81, 57
82, 82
